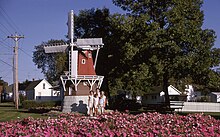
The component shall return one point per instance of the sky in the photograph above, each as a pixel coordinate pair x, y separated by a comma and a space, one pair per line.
42, 20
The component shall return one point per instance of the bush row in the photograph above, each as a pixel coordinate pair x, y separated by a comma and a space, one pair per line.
31, 104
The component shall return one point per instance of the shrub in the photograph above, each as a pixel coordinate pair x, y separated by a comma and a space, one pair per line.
31, 104
22, 97
125, 104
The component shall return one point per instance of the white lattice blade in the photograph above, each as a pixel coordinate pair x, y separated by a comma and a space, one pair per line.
71, 25
89, 41
55, 49
89, 47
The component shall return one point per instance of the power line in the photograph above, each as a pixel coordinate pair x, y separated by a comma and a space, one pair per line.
16, 27
10, 65
4, 45
4, 40
3, 31
7, 73
6, 63
5, 54
9, 23
24, 52
6, 28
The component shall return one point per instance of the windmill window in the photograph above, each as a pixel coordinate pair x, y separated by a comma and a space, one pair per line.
90, 55
83, 61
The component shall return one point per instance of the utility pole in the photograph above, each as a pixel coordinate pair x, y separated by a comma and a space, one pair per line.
15, 67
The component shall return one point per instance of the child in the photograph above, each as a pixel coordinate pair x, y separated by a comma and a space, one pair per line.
90, 102
98, 92
96, 104
102, 102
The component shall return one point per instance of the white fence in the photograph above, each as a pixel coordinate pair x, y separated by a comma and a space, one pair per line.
200, 107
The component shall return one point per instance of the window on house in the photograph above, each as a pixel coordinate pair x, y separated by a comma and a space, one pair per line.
43, 85
83, 61
153, 97
39, 95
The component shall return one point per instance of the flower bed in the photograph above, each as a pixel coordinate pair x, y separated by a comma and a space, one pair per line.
115, 124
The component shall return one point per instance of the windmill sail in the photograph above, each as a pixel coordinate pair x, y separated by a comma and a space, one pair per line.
89, 43
55, 48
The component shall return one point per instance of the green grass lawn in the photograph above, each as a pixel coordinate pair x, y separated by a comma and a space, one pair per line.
8, 112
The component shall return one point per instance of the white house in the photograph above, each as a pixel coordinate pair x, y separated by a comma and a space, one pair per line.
41, 90
215, 97
156, 96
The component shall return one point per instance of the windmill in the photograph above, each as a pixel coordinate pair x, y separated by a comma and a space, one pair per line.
81, 76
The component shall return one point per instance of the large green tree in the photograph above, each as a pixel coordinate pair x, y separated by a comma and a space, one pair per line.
53, 64
169, 38
156, 42
115, 60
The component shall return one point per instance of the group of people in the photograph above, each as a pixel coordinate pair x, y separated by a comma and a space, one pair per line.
96, 102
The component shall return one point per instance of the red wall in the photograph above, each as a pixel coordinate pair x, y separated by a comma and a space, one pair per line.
85, 63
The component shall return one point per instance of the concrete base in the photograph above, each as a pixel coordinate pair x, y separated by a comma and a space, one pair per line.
75, 104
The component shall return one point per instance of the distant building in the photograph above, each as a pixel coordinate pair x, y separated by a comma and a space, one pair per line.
1, 88
215, 97
157, 95
41, 90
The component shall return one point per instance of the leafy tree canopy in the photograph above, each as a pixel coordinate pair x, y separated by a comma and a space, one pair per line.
157, 42
167, 35
53, 64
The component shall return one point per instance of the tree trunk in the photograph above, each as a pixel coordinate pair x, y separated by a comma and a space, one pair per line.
105, 87
165, 89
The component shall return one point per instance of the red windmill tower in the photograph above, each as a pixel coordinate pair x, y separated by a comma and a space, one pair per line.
81, 77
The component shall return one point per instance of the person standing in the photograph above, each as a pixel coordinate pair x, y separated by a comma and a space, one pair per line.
99, 95
91, 102
96, 104
102, 102
98, 92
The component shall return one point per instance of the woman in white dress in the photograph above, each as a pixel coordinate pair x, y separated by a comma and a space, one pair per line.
91, 103
102, 102
96, 104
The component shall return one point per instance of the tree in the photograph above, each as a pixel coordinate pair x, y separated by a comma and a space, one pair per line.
115, 59
156, 42
170, 39
53, 64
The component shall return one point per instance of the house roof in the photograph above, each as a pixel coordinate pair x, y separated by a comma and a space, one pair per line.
177, 92
159, 90
172, 91
32, 85
216, 93
57, 87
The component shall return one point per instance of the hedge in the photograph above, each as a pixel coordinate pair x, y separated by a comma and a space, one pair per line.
28, 104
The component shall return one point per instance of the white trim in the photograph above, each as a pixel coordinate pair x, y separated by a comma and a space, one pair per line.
91, 79
83, 61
